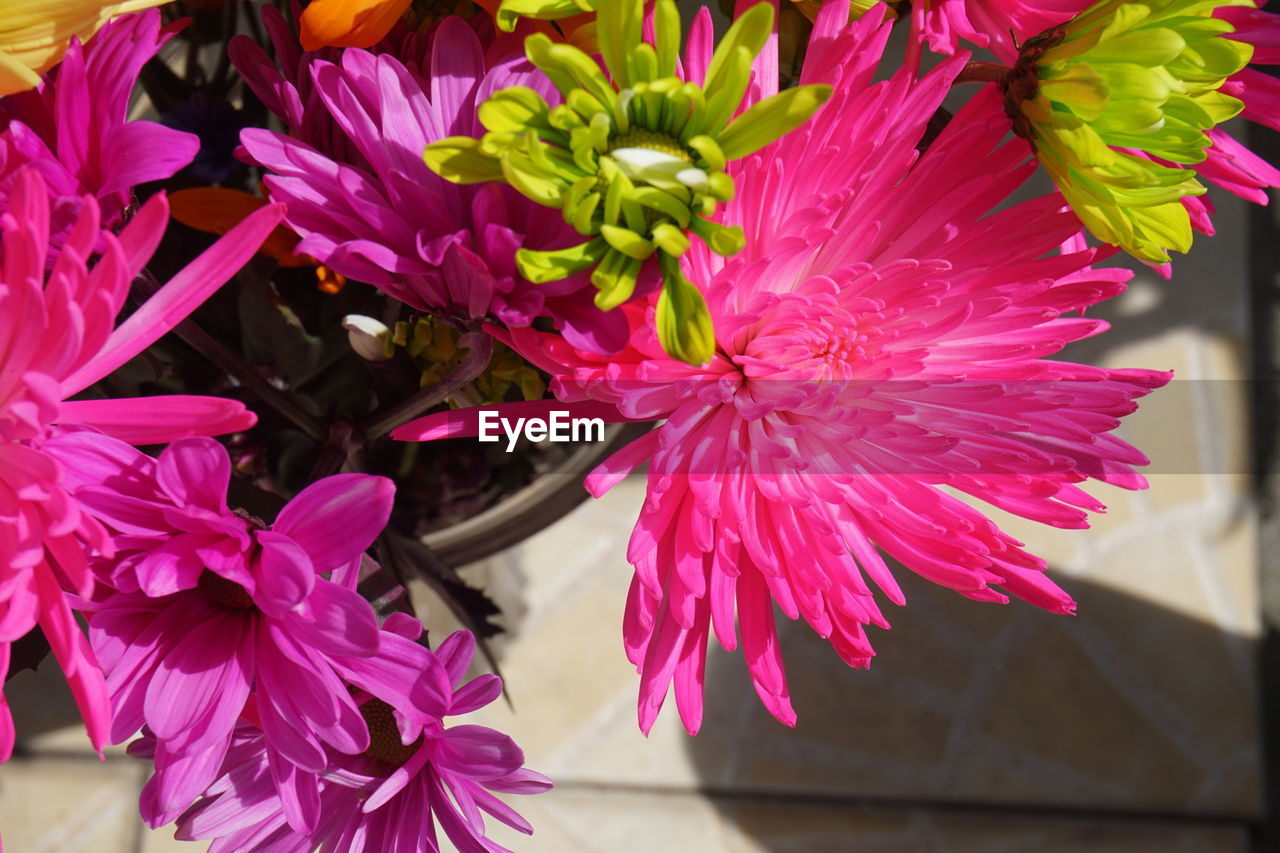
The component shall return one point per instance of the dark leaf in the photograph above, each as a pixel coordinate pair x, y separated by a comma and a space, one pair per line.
27, 652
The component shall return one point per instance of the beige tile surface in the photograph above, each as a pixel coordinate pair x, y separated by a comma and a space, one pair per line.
68, 805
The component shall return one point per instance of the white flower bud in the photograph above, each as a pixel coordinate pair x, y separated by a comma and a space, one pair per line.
369, 338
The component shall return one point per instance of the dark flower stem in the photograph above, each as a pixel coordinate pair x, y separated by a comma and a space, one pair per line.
145, 285
433, 395
210, 348
983, 72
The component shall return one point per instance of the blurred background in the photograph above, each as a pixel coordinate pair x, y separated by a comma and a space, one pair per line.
1144, 723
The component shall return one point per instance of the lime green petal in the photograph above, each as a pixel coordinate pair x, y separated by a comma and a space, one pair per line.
513, 110
723, 240
666, 27
750, 31
772, 118
683, 321
510, 11
627, 242
619, 24
615, 279
459, 159
543, 266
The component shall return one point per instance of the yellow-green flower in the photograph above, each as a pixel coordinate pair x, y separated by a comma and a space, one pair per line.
1141, 75
634, 160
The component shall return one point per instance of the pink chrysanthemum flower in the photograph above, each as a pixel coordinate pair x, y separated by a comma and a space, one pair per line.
209, 605
56, 339
392, 222
1000, 25
417, 771
74, 130
881, 347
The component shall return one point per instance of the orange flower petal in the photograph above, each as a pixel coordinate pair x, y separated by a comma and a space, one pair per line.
217, 210
348, 23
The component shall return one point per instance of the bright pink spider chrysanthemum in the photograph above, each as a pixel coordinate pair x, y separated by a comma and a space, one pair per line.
882, 335
1000, 25
417, 771
57, 337
209, 609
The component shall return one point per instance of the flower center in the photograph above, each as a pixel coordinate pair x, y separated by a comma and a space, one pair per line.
641, 138
224, 593
384, 735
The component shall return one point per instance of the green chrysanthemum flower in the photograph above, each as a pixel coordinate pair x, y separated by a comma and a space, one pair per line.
637, 162
1141, 75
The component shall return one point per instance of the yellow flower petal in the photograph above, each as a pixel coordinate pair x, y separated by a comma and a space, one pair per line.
34, 34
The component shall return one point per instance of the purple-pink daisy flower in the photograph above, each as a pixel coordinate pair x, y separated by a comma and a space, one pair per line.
57, 337
389, 220
416, 774
882, 347
209, 604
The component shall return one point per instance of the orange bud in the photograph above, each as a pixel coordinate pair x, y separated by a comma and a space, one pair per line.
348, 23
217, 210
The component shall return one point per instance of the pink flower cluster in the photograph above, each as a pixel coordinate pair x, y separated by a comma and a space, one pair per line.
236, 648
887, 360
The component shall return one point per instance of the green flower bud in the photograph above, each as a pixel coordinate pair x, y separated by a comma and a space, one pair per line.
1141, 75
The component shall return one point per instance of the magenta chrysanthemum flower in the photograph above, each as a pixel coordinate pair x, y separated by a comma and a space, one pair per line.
56, 339
209, 605
1000, 25
881, 346
74, 130
392, 222
416, 772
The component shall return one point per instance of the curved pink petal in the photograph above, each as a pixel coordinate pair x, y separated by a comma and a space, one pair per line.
155, 420
179, 297
337, 518
285, 575
196, 471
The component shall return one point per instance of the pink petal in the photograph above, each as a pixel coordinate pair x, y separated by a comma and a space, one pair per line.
284, 574
336, 621
184, 293
204, 681
154, 420
337, 518
196, 471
